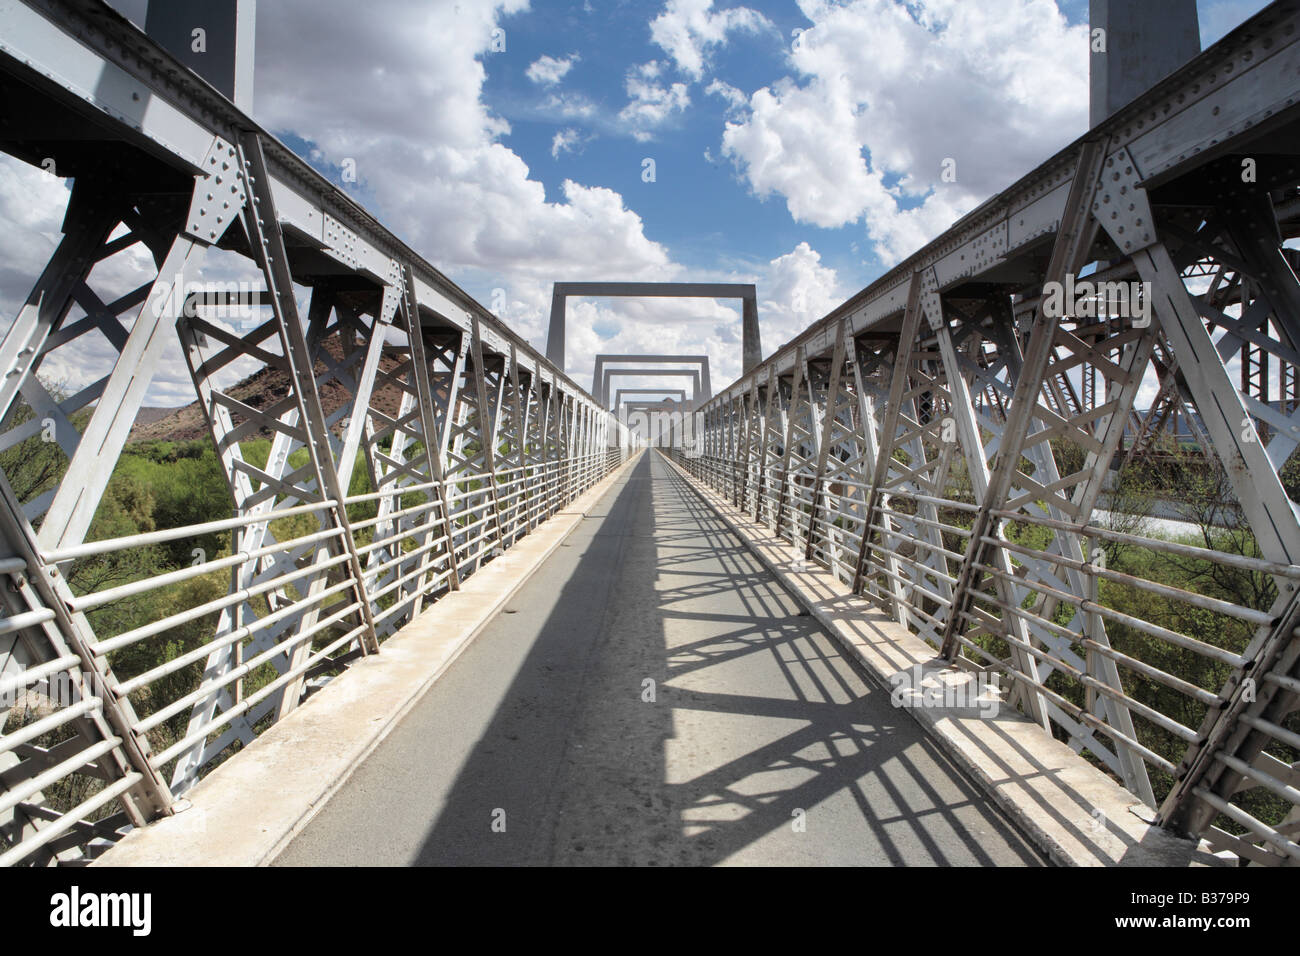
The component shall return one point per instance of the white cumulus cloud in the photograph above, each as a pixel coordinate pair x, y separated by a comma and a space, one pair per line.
549, 70
864, 138
797, 290
651, 103
688, 29
565, 141
735, 98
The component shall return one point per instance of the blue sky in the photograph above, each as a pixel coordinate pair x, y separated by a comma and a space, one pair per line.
805, 167
708, 215
704, 214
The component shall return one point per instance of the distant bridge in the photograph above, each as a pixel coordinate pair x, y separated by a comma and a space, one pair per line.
895, 471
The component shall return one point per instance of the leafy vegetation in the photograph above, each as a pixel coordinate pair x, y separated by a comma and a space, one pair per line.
155, 486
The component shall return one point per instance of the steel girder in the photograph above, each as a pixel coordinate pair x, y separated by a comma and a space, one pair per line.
652, 372
679, 394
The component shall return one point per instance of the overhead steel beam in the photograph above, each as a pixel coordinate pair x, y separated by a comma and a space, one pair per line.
214, 38
703, 392
678, 393
1140, 43
751, 343
612, 373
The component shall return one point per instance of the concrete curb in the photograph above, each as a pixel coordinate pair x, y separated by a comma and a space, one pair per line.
248, 809
1072, 811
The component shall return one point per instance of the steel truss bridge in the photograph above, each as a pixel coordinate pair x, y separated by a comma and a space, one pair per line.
904, 442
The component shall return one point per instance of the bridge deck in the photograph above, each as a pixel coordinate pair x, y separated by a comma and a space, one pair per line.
757, 715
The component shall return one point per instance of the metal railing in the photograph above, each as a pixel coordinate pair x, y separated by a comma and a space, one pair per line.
1181, 651
64, 779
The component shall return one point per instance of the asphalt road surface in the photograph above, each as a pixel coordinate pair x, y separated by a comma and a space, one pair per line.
654, 697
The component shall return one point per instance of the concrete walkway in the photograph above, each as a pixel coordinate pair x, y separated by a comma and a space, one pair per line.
656, 698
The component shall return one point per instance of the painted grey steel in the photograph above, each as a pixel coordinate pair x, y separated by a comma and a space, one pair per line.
751, 340
214, 38
1140, 43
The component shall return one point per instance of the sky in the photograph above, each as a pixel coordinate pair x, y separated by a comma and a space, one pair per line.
798, 145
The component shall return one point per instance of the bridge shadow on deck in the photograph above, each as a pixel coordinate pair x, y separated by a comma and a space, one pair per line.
762, 743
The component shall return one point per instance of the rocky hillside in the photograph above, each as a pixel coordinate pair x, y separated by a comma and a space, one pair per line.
260, 390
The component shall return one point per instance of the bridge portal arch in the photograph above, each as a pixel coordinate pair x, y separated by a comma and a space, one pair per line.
600, 376
750, 344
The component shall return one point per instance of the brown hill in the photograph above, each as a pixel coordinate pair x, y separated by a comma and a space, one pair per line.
261, 390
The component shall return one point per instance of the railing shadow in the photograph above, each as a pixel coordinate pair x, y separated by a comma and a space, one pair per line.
762, 744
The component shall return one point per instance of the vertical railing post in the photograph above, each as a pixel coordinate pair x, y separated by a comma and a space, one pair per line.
433, 441
889, 426
263, 228
518, 411
799, 381
824, 445
487, 424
